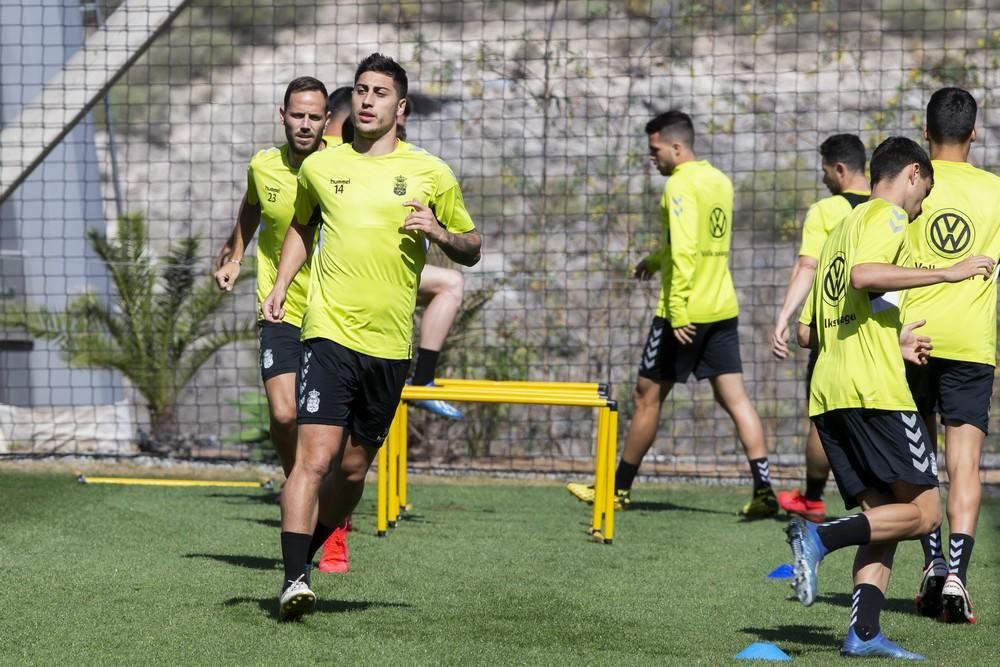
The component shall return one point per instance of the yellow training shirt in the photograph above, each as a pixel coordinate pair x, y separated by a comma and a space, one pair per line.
696, 214
822, 217
961, 217
365, 268
859, 364
271, 183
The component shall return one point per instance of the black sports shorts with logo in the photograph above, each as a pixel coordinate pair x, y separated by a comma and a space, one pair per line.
280, 348
872, 449
959, 391
340, 387
714, 351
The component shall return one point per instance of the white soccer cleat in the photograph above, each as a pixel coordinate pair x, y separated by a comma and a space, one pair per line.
296, 600
956, 601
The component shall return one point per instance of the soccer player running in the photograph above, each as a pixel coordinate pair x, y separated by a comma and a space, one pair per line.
270, 195
440, 292
876, 442
375, 201
961, 217
695, 327
843, 164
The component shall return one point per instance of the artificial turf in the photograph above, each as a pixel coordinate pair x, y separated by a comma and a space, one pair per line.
478, 573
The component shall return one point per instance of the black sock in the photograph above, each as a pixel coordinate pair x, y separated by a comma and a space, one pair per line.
959, 554
427, 361
849, 531
294, 547
761, 472
814, 488
932, 547
318, 538
866, 606
625, 475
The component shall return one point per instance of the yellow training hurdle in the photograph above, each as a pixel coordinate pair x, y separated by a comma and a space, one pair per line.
392, 484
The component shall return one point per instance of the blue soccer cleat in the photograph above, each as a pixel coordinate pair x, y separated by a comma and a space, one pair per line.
439, 408
877, 646
807, 552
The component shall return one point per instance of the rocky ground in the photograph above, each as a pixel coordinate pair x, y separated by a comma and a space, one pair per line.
539, 109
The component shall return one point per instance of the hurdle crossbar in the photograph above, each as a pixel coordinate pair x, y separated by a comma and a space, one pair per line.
392, 457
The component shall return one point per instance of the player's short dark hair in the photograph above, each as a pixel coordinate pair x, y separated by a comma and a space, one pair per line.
303, 84
347, 131
846, 149
951, 116
377, 62
895, 154
339, 100
674, 124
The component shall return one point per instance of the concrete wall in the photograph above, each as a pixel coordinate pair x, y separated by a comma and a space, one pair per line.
42, 224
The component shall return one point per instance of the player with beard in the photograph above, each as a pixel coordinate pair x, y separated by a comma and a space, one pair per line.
269, 203
375, 200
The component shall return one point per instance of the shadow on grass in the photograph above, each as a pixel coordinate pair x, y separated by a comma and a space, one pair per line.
647, 506
267, 523
798, 634
260, 498
249, 562
898, 605
269, 605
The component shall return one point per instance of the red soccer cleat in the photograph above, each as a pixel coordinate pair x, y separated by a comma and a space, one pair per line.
335, 553
794, 502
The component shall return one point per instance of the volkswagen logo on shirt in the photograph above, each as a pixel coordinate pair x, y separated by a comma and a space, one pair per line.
835, 280
950, 234
717, 220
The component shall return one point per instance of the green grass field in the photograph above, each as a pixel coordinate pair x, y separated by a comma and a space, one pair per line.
493, 574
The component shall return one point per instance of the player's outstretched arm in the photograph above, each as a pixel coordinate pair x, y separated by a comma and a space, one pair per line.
879, 277
916, 349
294, 252
798, 288
230, 255
464, 248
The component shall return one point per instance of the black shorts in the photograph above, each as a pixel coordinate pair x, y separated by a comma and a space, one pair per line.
872, 449
280, 348
959, 391
340, 387
714, 351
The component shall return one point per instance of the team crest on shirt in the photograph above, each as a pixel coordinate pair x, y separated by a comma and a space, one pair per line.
267, 359
312, 402
399, 187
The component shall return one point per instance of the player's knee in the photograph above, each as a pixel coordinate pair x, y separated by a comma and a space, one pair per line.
314, 466
646, 396
930, 518
283, 416
455, 285
354, 471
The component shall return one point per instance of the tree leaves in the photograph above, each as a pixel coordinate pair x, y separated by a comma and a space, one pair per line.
159, 328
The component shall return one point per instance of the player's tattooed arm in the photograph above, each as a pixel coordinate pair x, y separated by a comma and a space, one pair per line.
464, 249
